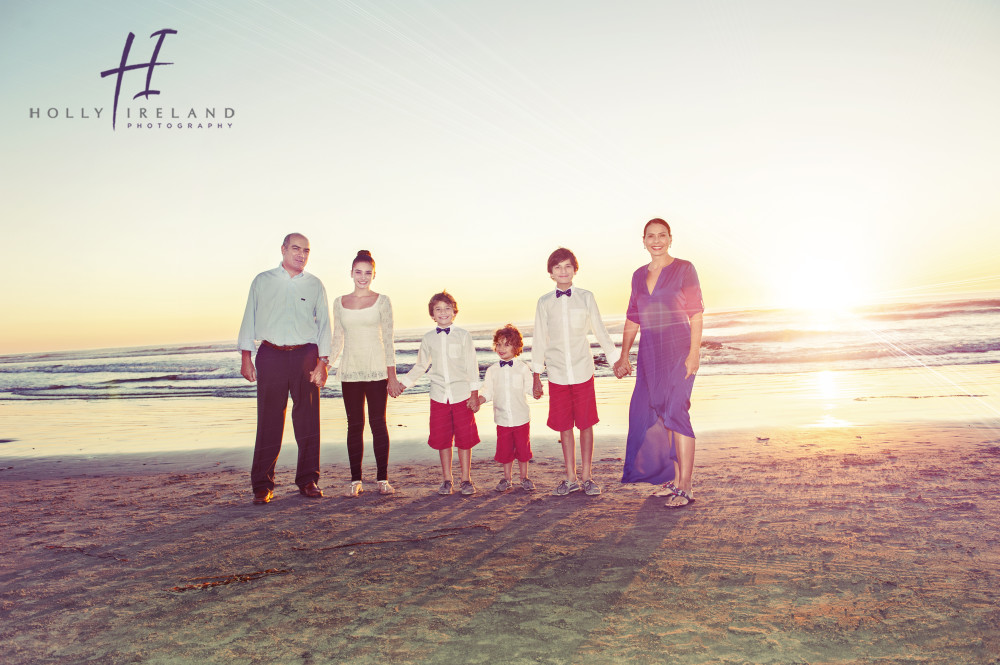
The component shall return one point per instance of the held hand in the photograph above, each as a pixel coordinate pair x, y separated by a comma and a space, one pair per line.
473, 405
691, 364
395, 388
623, 367
536, 389
319, 374
247, 369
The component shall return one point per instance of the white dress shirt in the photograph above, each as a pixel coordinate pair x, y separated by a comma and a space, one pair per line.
560, 342
452, 359
286, 311
365, 337
506, 387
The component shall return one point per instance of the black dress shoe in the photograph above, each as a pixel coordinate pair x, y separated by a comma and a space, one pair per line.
311, 491
262, 496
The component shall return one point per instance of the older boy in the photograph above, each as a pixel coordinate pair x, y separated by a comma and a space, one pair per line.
563, 319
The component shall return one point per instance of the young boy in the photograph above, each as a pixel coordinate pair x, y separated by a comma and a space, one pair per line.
506, 383
562, 320
454, 377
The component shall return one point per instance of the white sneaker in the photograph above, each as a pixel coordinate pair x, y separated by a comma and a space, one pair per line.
355, 488
385, 488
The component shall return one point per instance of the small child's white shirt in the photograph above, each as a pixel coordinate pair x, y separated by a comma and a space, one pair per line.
507, 388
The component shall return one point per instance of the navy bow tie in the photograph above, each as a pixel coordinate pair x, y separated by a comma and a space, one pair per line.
567, 293
446, 331
506, 363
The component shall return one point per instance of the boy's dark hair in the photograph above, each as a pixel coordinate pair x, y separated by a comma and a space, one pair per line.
561, 255
444, 297
513, 337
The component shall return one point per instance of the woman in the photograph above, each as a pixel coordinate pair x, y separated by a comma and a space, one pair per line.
362, 328
666, 305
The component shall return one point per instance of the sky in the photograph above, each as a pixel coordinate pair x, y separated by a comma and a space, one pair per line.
805, 153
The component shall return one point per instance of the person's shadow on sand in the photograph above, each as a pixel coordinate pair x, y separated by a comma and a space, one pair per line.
501, 575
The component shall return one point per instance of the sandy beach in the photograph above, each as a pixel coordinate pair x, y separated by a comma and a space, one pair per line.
802, 195
805, 545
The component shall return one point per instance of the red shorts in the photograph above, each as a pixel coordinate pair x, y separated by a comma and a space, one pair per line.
513, 443
571, 405
452, 422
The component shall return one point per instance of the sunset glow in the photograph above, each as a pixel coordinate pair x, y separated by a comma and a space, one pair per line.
811, 155
820, 285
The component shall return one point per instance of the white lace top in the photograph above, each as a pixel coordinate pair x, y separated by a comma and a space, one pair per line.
365, 337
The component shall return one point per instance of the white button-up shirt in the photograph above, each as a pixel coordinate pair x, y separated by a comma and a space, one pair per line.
506, 387
454, 370
286, 311
560, 343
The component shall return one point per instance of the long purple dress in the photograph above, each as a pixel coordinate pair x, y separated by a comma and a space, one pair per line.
661, 391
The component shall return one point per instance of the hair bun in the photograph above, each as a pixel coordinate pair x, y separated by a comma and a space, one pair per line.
364, 253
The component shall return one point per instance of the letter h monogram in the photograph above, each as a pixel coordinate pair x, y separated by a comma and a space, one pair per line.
123, 67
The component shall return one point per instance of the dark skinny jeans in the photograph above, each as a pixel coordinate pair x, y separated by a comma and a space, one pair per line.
355, 393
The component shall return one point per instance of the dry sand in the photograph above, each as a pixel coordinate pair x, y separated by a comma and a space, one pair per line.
854, 545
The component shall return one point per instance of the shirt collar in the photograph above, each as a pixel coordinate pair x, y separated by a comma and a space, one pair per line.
284, 273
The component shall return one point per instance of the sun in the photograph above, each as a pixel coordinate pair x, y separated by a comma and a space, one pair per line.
821, 285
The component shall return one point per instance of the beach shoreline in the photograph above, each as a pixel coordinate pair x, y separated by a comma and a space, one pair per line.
819, 545
720, 403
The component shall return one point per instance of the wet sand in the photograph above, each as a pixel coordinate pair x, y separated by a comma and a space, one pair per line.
805, 545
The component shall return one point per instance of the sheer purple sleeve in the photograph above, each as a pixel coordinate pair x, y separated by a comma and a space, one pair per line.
632, 313
691, 288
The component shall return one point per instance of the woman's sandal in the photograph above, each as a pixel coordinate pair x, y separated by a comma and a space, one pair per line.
686, 495
669, 489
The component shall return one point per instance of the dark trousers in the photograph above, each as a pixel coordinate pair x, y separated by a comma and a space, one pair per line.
280, 373
355, 394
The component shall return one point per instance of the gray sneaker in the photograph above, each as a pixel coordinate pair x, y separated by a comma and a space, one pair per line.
468, 488
527, 485
503, 485
445, 487
590, 488
565, 488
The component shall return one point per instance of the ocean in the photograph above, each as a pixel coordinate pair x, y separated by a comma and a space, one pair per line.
736, 342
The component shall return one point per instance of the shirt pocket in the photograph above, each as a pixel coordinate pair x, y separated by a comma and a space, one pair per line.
455, 350
578, 320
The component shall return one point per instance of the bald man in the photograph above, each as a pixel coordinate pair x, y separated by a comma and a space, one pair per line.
287, 311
